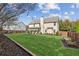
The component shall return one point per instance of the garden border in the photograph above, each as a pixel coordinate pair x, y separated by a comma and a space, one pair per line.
21, 46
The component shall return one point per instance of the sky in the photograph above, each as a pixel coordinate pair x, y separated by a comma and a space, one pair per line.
63, 10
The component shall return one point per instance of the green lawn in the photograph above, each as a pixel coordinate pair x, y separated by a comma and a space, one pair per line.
48, 45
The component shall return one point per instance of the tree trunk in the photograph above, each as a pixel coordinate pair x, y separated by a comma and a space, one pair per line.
1, 29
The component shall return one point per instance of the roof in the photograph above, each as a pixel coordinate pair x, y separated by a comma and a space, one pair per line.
52, 19
46, 20
35, 22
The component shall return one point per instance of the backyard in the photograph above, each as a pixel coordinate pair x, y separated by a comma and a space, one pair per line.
44, 45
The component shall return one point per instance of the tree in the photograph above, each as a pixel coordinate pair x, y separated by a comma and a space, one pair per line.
65, 25
10, 22
77, 26
60, 25
10, 11
73, 26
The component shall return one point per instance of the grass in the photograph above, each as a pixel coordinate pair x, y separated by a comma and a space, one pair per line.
44, 45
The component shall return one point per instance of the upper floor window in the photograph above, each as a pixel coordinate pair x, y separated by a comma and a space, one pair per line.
54, 23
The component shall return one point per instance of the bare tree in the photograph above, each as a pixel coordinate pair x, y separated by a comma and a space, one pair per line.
10, 11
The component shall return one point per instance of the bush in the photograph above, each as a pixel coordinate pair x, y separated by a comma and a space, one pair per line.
29, 32
57, 33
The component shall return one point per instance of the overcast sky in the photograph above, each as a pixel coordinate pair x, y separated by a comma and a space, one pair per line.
63, 10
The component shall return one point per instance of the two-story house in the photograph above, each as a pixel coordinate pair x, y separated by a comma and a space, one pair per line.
45, 25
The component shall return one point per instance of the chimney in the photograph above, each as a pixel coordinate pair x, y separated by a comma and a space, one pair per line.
42, 24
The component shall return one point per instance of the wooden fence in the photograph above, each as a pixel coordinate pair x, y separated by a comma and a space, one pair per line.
74, 36
63, 33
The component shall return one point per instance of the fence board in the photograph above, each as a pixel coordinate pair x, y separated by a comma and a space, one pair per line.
74, 36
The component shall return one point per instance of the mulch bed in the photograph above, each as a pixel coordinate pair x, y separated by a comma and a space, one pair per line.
70, 44
9, 48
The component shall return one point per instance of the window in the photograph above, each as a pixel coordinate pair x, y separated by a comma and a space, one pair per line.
36, 25
54, 23
31, 25
45, 30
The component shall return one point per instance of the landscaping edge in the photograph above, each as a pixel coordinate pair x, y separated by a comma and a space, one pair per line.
21, 46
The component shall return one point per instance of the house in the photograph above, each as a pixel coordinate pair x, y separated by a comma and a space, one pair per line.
45, 25
15, 26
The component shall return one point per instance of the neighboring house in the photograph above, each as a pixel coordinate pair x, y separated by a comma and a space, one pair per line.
44, 25
15, 26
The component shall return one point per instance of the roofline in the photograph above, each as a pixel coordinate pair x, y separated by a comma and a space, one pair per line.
39, 23
46, 22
